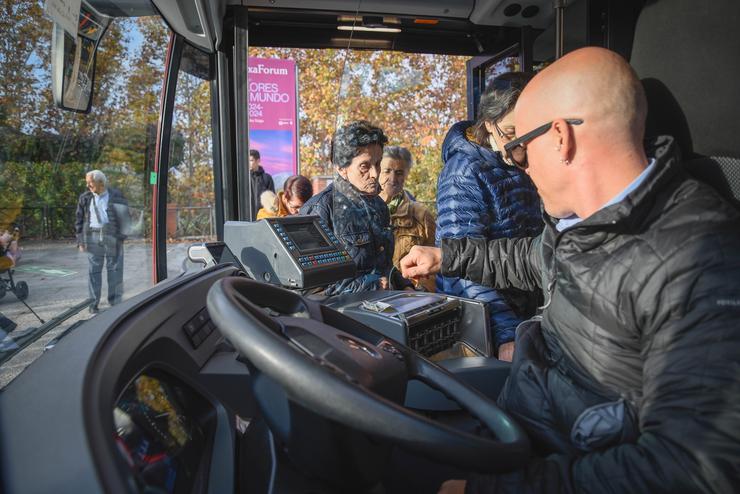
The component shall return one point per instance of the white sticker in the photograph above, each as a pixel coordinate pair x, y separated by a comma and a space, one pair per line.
66, 13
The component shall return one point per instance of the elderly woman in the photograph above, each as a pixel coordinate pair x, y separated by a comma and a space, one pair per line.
412, 222
480, 195
296, 191
352, 208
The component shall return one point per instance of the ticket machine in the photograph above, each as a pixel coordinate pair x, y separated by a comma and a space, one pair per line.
301, 252
297, 252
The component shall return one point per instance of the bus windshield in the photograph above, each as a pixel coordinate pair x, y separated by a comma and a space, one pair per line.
76, 213
76, 202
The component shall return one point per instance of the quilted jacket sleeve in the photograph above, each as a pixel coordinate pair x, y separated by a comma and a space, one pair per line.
323, 207
500, 263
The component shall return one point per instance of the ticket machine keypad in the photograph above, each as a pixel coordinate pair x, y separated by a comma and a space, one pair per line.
316, 260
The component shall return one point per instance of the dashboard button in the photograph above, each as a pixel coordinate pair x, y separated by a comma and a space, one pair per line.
190, 328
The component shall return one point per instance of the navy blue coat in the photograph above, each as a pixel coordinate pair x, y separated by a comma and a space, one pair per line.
480, 196
362, 224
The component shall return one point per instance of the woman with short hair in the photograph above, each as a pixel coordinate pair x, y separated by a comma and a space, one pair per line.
350, 206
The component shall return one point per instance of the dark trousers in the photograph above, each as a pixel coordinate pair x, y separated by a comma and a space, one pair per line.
108, 252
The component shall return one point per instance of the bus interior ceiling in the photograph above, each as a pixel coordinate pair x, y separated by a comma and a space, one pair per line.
418, 26
487, 29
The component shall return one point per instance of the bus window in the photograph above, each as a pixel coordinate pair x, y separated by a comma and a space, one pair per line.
190, 191
76, 243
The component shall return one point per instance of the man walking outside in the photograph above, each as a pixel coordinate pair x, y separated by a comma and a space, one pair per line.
261, 181
102, 214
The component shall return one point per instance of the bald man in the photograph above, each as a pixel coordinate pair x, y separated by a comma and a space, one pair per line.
630, 381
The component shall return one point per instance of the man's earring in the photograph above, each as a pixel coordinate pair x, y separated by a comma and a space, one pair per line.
565, 162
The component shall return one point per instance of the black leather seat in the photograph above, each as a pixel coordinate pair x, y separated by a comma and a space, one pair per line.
688, 56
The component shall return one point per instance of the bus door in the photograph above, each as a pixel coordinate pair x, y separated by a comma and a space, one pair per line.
481, 70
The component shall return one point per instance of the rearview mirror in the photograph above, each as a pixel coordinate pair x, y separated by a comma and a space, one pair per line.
73, 60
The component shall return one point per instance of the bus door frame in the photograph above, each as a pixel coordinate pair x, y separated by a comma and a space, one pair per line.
477, 66
162, 157
230, 135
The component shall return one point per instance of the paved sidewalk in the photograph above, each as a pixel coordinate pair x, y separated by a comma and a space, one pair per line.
56, 273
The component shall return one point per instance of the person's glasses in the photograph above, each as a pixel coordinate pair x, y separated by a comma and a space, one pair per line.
501, 134
516, 150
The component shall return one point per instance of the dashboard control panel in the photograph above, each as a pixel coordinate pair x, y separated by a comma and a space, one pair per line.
428, 323
199, 328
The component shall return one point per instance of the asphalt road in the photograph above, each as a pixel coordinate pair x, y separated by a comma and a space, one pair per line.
56, 273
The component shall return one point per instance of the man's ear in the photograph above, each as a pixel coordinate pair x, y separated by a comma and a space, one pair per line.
341, 171
564, 143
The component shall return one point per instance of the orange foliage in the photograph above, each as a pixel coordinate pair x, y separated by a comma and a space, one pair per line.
415, 98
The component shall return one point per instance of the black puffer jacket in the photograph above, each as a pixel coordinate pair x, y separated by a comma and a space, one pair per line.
644, 309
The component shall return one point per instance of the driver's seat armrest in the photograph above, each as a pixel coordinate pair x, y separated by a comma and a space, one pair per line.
485, 374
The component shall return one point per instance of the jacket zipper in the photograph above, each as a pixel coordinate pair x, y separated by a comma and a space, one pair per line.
556, 242
574, 375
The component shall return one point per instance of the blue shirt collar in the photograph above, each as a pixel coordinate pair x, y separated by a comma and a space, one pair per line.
101, 196
574, 220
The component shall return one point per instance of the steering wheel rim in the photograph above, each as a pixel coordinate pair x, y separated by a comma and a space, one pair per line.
334, 394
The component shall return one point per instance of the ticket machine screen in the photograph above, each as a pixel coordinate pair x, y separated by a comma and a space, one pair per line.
306, 237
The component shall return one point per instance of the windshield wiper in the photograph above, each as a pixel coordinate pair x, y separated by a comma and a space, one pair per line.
10, 346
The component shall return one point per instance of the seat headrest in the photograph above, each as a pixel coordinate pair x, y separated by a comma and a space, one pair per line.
721, 173
688, 55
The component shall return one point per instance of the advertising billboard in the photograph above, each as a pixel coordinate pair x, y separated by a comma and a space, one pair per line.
273, 116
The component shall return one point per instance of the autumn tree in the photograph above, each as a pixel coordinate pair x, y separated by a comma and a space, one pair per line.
22, 35
415, 98
44, 151
131, 143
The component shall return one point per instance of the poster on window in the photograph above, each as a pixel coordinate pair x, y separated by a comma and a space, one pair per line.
273, 116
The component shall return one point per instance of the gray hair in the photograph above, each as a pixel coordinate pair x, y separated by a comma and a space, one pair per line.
399, 153
498, 100
97, 176
351, 138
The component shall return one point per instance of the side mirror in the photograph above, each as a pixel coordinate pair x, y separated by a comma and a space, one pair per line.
73, 60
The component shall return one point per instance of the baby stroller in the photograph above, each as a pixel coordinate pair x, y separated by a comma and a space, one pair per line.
20, 289
9, 255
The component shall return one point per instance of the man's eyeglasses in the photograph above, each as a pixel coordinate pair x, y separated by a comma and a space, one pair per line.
516, 150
